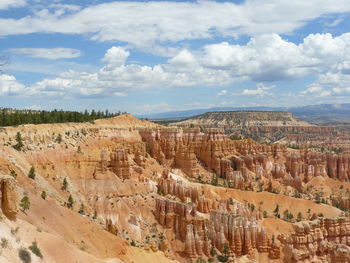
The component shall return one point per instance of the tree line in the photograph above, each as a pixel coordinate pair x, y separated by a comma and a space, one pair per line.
12, 117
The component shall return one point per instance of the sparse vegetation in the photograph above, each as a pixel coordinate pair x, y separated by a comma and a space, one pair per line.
79, 149
19, 145
65, 184
215, 179
24, 255
25, 203
59, 138
43, 195
13, 173
4, 242
81, 210
14, 231
31, 173
276, 211
36, 250
70, 202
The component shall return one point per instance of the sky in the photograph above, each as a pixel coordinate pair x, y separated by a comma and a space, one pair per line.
155, 56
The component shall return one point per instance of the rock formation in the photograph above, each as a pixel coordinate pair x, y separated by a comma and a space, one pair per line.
327, 238
8, 196
119, 163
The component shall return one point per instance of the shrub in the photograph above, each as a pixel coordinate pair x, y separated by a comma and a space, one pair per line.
43, 195
265, 214
4, 242
34, 248
59, 138
24, 255
14, 231
64, 184
31, 173
222, 258
81, 210
13, 173
79, 150
70, 202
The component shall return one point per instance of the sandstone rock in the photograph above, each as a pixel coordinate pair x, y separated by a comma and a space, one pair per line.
8, 196
120, 164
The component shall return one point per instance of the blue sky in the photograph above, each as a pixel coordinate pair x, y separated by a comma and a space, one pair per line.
145, 57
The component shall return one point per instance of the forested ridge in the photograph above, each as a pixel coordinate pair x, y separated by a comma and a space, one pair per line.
13, 117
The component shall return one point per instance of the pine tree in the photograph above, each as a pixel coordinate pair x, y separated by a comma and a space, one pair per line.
59, 138
25, 203
31, 173
19, 145
43, 195
13, 173
95, 215
81, 209
65, 184
70, 202
79, 149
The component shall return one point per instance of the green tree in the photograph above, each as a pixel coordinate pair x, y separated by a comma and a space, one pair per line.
265, 214
65, 184
43, 195
81, 210
24, 255
35, 249
276, 211
31, 173
59, 138
19, 145
70, 202
299, 217
79, 149
13, 173
25, 203
215, 179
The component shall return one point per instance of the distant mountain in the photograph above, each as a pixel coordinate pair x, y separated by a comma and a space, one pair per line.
229, 120
194, 112
318, 114
323, 113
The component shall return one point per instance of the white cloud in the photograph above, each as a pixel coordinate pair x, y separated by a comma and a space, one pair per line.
10, 86
146, 108
263, 59
34, 107
6, 4
261, 90
116, 56
48, 53
157, 23
222, 93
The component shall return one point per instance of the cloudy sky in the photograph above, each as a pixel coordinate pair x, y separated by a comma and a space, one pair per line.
155, 56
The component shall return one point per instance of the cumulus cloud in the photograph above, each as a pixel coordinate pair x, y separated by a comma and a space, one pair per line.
264, 59
9, 86
155, 23
116, 56
261, 90
6, 4
48, 53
